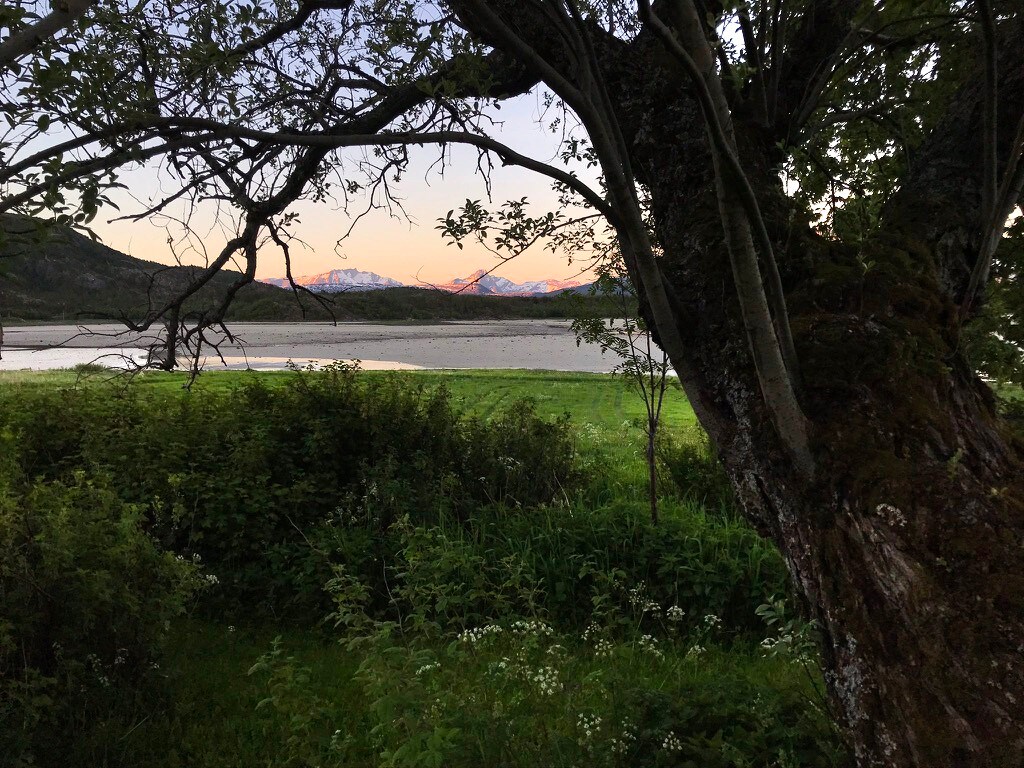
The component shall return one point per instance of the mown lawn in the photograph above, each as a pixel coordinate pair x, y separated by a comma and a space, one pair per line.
595, 398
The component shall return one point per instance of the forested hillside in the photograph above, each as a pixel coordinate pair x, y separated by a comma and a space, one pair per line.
55, 273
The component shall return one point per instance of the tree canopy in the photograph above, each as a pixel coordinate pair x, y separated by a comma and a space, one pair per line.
253, 106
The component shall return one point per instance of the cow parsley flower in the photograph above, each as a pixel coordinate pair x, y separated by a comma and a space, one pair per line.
671, 742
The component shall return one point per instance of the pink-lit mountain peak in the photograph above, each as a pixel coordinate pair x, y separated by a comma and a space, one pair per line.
480, 282
337, 280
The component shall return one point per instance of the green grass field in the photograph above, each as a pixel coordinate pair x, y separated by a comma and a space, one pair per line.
590, 398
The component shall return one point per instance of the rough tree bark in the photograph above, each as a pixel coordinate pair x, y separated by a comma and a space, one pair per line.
907, 544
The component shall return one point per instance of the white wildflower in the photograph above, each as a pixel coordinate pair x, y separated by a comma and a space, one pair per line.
671, 742
476, 634
532, 627
650, 645
427, 668
588, 724
546, 679
712, 622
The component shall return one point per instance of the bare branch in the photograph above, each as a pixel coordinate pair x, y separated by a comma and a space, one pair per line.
329, 141
109, 162
298, 290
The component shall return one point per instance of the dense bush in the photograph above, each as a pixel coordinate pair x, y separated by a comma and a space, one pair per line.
86, 599
242, 477
275, 486
502, 611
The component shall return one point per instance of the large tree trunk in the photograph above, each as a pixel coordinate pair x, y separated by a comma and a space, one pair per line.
907, 544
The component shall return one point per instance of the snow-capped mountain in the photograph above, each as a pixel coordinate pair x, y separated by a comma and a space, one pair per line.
339, 280
479, 283
482, 283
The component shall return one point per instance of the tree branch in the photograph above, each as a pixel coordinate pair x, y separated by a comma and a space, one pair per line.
329, 141
940, 201
769, 337
1005, 199
989, 120
306, 9
755, 57
28, 39
803, 70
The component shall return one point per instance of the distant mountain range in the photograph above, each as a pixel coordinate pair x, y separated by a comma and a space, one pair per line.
54, 273
484, 284
480, 283
338, 280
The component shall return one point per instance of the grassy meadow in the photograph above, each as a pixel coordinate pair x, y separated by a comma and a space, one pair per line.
379, 569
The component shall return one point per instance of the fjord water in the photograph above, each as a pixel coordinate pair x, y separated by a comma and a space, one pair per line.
530, 344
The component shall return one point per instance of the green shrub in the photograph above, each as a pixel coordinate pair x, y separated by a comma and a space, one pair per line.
242, 478
86, 598
592, 561
568, 565
519, 459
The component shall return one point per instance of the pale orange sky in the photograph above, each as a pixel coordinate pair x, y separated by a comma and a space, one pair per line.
388, 246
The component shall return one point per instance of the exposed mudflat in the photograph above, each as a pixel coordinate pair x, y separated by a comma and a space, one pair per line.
532, 344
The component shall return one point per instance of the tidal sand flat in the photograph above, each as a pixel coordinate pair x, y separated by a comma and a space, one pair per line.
530, 344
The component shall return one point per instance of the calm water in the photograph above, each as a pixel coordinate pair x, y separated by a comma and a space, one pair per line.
532, 344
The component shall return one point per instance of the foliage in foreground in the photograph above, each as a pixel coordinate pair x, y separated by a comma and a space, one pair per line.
448, 685
86, 601
488, 618
516, 693
241, 477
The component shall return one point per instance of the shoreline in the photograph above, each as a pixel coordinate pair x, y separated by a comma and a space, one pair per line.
526, 344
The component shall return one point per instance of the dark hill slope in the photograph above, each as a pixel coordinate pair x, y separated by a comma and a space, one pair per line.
55, 273
49, 272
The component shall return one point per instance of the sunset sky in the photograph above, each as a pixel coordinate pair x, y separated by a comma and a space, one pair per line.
388, 246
